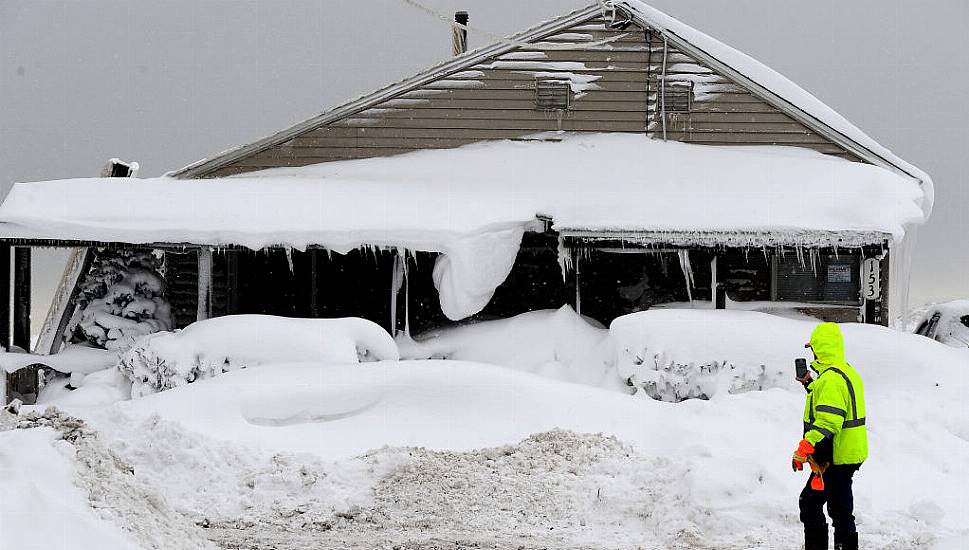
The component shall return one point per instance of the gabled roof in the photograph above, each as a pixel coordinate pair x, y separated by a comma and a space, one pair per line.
364, 102
761, 80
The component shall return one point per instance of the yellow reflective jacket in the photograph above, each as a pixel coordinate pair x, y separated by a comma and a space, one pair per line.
835, 407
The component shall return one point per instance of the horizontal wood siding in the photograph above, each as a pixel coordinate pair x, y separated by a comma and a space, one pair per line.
722, 112
492, 100
615, 89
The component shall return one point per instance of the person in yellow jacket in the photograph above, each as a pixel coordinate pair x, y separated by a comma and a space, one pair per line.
835, 442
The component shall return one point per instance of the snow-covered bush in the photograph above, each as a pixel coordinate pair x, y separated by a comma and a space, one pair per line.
207, 348
673, 356
122, 298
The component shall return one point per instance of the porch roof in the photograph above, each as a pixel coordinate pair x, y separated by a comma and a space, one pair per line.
423, 200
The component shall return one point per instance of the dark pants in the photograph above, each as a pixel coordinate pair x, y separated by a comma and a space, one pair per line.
837, 495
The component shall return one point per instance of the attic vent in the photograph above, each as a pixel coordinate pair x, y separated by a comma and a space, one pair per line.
674, 97
552, 95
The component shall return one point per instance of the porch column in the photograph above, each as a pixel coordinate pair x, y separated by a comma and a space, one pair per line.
21, 297
578, 283
5, 296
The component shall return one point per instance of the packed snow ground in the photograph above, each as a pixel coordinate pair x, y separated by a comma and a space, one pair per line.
458, 454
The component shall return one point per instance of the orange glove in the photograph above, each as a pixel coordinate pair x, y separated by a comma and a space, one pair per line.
804, 448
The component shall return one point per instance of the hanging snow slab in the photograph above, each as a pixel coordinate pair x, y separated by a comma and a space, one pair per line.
472, 203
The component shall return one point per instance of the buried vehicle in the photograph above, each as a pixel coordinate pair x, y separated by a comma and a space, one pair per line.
947, 323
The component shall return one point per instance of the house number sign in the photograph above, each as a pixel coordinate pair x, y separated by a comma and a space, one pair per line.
871, 279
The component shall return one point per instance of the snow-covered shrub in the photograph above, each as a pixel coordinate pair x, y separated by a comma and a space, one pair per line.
666, 379
122, 298
676, 355
207, 348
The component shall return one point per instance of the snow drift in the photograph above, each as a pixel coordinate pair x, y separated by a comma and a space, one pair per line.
165, 360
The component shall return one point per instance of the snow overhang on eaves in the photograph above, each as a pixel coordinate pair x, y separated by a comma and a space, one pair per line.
729, 239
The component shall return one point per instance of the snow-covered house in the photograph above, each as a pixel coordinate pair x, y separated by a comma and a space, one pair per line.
613, 158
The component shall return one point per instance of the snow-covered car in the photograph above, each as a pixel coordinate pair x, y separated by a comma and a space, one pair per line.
947, 323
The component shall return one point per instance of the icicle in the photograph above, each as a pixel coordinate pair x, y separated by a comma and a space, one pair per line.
289, 260
687, 272
396, 281
565, 259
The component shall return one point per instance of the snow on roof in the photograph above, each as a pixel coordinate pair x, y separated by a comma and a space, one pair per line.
774, 87
610, 182
755, 72
473, 203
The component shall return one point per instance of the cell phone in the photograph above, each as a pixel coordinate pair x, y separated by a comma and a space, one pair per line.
800, 367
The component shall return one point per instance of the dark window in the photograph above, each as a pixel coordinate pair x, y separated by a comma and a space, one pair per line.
826, 278
552, 95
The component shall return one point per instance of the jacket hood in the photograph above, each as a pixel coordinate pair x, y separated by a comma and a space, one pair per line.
828, 345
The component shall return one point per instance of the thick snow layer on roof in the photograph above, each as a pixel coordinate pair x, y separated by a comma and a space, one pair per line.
776, 83
624, 182
474, 202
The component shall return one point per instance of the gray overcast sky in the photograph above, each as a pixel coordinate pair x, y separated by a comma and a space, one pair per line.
166, 83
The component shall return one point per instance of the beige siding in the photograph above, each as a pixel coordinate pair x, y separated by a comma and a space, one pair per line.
722, 112
492, 100
614, 90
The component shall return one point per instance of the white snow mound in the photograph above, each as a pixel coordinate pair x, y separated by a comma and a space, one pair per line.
206, 348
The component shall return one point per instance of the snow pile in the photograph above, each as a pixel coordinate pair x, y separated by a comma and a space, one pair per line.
207, 348
556, 344
41, 507
715, 471
64, 489
74, 358
242, 485
473, 203
554, 489
122, 298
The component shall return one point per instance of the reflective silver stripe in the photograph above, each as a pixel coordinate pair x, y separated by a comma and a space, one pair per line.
832, 410
823, 431
851, 391
854, 423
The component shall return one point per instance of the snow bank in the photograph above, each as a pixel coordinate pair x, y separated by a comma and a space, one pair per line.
693, 351
74, 358
473, 203
206, 348
726, 478
40, 507
556, 344
112, 490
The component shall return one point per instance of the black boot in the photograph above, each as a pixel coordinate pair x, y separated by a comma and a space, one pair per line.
847, 541
816, 538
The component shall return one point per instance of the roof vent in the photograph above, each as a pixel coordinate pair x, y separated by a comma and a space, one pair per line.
552, 94
675, 97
